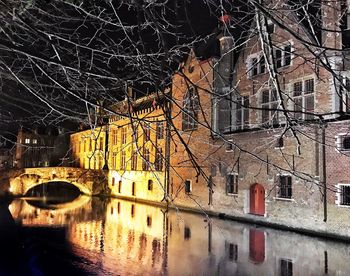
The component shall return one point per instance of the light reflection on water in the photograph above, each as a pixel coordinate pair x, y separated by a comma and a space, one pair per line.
125, 238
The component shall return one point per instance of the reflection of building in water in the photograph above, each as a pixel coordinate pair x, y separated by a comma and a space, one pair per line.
129, 233
60, 214
135, 239
226, 248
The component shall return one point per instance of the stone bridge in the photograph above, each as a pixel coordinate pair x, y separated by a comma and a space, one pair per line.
19, 182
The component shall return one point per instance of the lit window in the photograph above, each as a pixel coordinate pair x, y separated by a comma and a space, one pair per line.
123, 160
160, 130
303, 98
123, 135
232, 183
134, 161
27, 141
35, 141
269, 106
145, 161
190, 110
284, 186
158, 163
188, 186
147, 132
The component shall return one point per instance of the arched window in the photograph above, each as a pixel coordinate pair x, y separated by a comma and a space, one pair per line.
190, 110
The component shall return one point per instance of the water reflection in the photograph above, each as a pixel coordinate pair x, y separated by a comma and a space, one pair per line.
125, 238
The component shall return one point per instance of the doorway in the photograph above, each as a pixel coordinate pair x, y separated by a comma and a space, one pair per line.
257, 200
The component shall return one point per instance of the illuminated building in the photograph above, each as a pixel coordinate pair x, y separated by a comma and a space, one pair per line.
135, 149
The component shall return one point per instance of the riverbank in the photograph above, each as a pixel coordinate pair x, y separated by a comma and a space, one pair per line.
247, 220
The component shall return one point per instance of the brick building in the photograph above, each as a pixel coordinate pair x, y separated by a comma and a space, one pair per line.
247, 127
259, 136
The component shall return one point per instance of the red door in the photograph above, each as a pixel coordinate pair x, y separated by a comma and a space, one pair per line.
257, 200
256, 246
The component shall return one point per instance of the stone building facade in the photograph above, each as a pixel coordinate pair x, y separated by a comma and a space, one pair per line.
133, 144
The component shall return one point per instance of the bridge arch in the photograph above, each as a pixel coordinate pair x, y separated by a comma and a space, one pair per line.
89, 182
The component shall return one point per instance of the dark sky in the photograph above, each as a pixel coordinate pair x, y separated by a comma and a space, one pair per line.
189, 20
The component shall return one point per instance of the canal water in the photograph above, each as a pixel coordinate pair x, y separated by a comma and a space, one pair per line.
88, 236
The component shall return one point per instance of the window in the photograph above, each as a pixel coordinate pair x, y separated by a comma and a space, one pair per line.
344, 95
123, 160
145, 161
229, 146
120, 186
135, 134
303, 98
149, 221
150, 185
114, 160
257, 66
147, 132
269, 105
160, 130
241, 112
343, 142
232, 183
283, 55
279, 143
286, 267
133, 189
158, 162
114, 137
134, 161
27, 141
270, 28
132, 210
284, 186
101, 143
123, 135
190, 110
113, 181
232, 252
343, 194
188, 186
187, 233
35, 141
